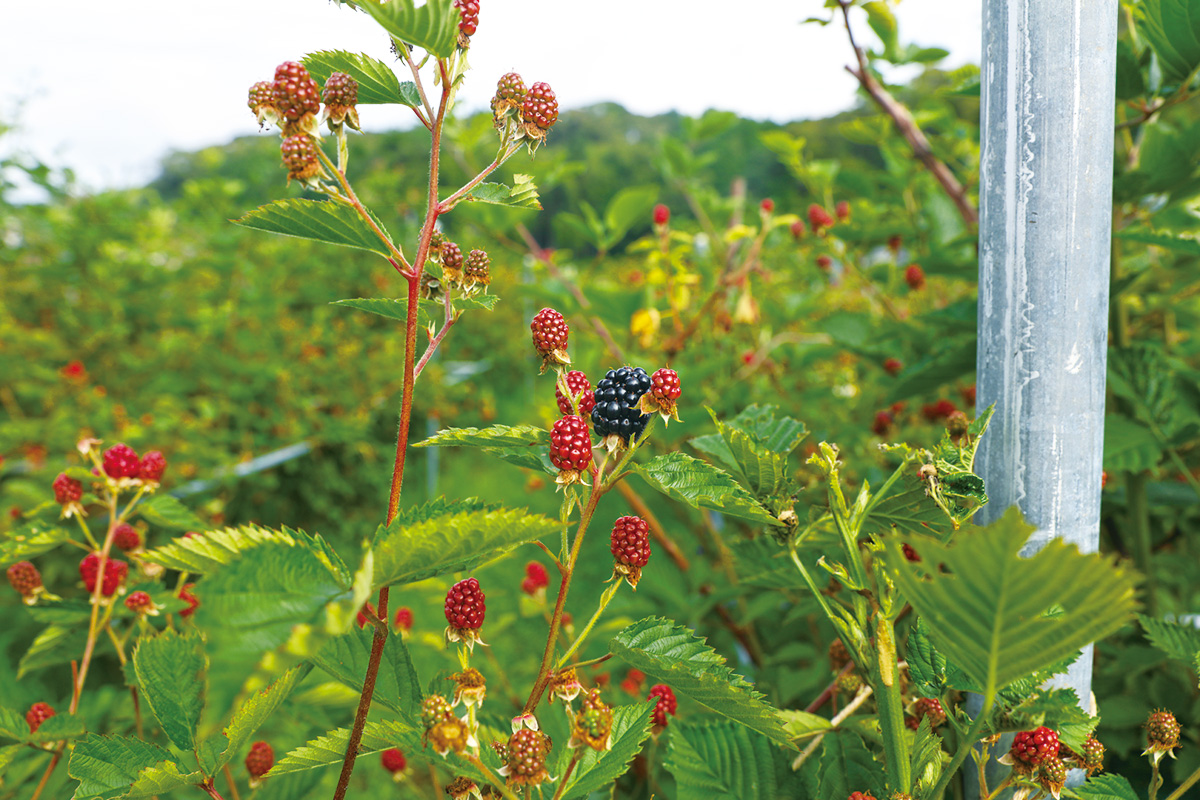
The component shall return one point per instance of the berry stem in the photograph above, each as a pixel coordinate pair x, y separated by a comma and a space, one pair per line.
1187, 784
437, 339
364, 701
964, 747
453, 199
210, 789
406, 53
497, 782
406, 399
352, 198
1156, 779
233, 790
605, 599
562, 779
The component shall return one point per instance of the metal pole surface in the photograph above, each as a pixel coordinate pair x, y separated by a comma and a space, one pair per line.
1046, 119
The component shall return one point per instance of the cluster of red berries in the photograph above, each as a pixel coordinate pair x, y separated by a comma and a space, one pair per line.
126, 537
1032, 748
630, 547
465, 609
67, 489
666, 703
579, 389
139, 602
114, 574
468, 11
121, 461
818, 218
536, 578
570, 448
942, 409
535, 108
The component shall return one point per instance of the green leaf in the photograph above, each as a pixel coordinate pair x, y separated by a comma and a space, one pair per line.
1188, 245
1181, 642
702, 485
523, 445
600, 770
386, 307
54, 645
723, 761
883, 22
951, 363
1172, 28
764, 471
171, 669
411, 550
1107, 787
330, 748
257, 709
397, 685
29, 540
321, 220
433, 26
522, 194
205, 553
925, 757
167, 512
926, 666
376, 81
847, 766
802, 724
781, 435
160, 779
108, 766
674, 655
55, 729
1059, 710
628, 207
1129, 446
988, 608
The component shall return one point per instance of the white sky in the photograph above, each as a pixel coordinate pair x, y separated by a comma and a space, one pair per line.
109, 88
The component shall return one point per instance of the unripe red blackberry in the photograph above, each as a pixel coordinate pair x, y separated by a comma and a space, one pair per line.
299, 155
860, 796
114, 574
579, 386
527, 751
152, 467
468, 11
882, 424
296, 94
662, 214
664, 391
121, 461
1092, 758
892, 366
126, 537
1052, 776
537, 575
475, 268
341, 91
393, 760
797, 229
540, 108
465, 610
185, 594
914, 276
942, 409
262, 102
550, 333
260, 759
767, 205
932, 708
139, 602
570, 448
818, 218
630, 547
25, 578
1031, 748
67, 489
37, 714
666, 703
1162, 732
404, 618
511, 88
842, 210
824, 262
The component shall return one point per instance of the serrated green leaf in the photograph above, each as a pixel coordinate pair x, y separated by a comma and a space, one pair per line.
376, 81
702, 485
949, 364
61, 612
925, 756
926, 666
599, 770
9, 754
763, 470
802, 724
724, 761
522, 194
54, 645
171, 671
107, 766
523, 445
397, 685
847, 766
454, 542
781, 435
1172, 28
54, 729
257, 709
1181, 642
330, 748
29, 540
167, 512
205, 553
1129, 446
321, 220
674, 655
386, 307
987, 611
160, 779
1187, 245
1107, 787
433, 26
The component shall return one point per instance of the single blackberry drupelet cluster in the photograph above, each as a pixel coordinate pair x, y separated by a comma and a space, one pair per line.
662, 214
468, 11
932, 708
860, 796
260, 759
121, 461
465, 609
262, 99
914, 276
511, 88
617, 395
114, 574
476, 268
1031, 748
579, 386
818, 218
299, 155
340, 96
527, 751
126, 537
1052, 776
1162, 732
539, 109
139, 602
665, 390
152, 467
570, 448
630, 546
452, 261
435, 709
593, 724
550, 335
25, 579
667, 703
37, 714
1092, 757
393, 761
404, 619
67, 489
295, 92
536, 578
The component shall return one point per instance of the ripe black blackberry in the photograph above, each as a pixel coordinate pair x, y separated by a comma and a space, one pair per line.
616, 412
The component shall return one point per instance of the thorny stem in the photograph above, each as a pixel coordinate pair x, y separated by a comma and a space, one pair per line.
447, 324
208, 787
909, 129
360, 208
449, 202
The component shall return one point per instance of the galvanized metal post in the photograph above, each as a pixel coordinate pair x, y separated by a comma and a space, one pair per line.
1048, 89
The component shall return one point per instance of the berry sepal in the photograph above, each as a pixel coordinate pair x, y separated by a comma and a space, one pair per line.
664, 391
